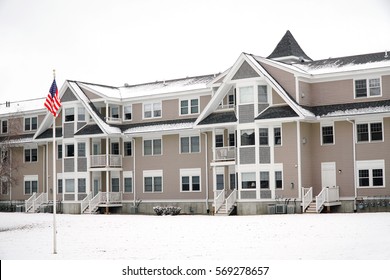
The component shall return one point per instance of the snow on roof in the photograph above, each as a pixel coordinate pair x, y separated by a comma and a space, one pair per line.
104, 126
103, 89
159, 127
23, 106
359, 111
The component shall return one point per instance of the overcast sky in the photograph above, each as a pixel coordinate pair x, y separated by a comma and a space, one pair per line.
134, 41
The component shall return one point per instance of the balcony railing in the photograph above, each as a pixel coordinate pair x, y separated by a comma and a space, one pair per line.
106, 161
224, 153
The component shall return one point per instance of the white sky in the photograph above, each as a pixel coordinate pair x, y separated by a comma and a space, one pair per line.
133, 41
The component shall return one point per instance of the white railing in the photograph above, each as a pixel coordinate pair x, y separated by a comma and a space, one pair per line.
231, 200
85, 202
226, 106
94, 202
219, 200
307, 197
113, 120
30, 202
225, 153
114, 197
328, 194
115, 160
36, 200
101, 160
98, 160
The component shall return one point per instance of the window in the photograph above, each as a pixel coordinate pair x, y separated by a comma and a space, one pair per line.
232, 140
264, 180
128, 182
127, 110
81, 114
59, 151
220, 182
30, 155
59, 186
232, 100
3, 155
69, 150
190, 180
115, 148
127, 148
69, 185
4, 126
81, 149
69, 114
152, 147
153, 181
152, 110
327, 135
189, 144
246, 95
371, 173
115, 184
232, 181
262, 96
190, 106
369, 132
248, 180
30, 186
247, 137
219, 141
81, 185
30, 123
263, 136
4, 187
367, 88
277, 136
115, 112
278, 180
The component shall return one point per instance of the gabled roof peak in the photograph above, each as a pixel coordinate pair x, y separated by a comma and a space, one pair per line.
288, 50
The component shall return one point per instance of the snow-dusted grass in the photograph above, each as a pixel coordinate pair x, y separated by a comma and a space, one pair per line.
126, 237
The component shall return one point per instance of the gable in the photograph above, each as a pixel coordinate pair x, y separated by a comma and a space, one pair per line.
245, 71
68, 96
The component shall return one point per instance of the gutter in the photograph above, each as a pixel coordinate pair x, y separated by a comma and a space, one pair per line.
206, 172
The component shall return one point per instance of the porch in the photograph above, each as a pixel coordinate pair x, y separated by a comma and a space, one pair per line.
328, 197
106, 161
90, 204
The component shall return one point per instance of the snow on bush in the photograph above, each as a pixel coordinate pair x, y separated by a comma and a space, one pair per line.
169, 210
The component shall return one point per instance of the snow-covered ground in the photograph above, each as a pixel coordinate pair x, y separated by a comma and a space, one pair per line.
138, 237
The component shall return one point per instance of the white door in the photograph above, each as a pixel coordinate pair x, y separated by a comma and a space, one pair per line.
328, 174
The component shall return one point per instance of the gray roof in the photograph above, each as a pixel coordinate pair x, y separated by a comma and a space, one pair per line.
219, 117
48, 133
277, 112
89, 129
288, 46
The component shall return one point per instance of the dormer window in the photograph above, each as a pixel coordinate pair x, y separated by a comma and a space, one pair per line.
367, 88
246, 95
69, 115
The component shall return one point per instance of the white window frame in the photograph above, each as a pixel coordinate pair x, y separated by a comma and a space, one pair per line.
66, 114
241, 88
282, 188
189, 144
281, 136
31, 156
153, 110
111, 113
31, 128
124, 112
81, 112
66, 150
153, 153
368, 123
125, 148
370, 165
30, 178
189, 106
192, 172
2, 127
368, 95
153, 174
254, 135
65, 185
321, 134
127, 175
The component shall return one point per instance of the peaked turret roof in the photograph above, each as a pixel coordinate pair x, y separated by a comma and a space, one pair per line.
288, 47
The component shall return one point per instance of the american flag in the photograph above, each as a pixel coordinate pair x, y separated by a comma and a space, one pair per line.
52, 102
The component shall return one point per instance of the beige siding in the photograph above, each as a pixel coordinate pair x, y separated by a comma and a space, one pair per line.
276, 99
305, 95
285, 79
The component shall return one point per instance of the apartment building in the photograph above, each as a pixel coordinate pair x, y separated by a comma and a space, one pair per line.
276, 134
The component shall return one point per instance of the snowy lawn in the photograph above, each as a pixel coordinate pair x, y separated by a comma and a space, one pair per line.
273, 237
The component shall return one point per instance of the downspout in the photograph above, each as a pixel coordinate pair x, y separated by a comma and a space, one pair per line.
44, 168
134, 189
206, 172
299, 159
354, 160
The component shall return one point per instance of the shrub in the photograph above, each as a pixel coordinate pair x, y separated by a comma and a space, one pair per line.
169, 210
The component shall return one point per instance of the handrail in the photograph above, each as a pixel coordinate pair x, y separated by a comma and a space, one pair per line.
29, 203
328, 194
219, 200
95, 201
225, 153
307, 197
114, 197
231, 200
115, 160
320, 199
106, 160
85, 202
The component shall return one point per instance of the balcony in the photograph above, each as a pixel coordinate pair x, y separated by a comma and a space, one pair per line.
106, 161
225, 154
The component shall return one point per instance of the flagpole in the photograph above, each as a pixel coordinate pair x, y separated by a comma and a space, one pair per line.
54, 183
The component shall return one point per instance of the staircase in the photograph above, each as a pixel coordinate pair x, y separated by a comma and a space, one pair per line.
312, 208
225, 207
328, 196
90, 204
34, 203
